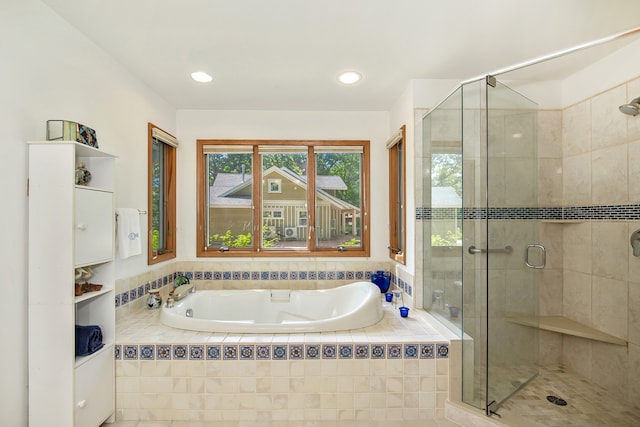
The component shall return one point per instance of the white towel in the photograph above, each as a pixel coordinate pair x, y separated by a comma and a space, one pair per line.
128, 232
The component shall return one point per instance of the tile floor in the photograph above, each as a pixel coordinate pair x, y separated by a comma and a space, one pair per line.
423, 423
588, 404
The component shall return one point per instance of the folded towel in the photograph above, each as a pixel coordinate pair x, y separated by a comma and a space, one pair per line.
88, 339
128, 232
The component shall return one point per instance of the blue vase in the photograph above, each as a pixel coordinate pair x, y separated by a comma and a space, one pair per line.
381, 279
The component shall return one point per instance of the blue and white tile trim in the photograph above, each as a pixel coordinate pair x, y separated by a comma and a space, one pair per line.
315, 351
142, 290
573, 213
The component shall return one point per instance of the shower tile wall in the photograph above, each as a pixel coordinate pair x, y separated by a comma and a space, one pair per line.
550, 195
592, 276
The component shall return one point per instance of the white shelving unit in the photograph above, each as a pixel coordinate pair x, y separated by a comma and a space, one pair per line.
70, 226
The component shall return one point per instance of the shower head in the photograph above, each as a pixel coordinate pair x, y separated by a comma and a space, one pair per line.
632, 108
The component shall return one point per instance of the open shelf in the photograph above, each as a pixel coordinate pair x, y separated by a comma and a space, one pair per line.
89, 295
567, 326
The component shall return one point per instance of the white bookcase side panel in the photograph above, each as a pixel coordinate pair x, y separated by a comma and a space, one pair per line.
50, 221
51, 365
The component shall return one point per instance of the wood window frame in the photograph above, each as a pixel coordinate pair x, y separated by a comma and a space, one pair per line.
169, 225
396, 148
256, 251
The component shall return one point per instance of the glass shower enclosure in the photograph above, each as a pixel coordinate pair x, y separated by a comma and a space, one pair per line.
481, 241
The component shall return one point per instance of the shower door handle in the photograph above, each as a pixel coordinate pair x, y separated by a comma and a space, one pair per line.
474, 250
543, 256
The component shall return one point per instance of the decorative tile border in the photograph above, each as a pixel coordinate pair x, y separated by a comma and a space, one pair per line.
143, 289
326, 351
579, 213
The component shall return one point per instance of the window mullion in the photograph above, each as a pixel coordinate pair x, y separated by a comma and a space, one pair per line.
311, 199
257, 200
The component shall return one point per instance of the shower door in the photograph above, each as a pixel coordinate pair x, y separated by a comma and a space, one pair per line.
512, 255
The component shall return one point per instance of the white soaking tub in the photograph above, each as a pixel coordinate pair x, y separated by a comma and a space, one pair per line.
351, 306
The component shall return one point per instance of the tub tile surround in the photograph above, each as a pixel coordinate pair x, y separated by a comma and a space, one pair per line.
397, 369
131, 292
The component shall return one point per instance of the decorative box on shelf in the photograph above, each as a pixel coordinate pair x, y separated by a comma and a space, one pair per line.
65, 130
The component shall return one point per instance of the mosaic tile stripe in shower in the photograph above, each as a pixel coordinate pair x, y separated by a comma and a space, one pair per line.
280, 351
578, 213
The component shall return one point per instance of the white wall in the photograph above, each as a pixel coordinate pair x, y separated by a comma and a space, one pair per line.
620, 66
206, 124
420, 94
51, 71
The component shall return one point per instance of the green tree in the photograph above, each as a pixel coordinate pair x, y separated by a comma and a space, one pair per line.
446, 171
346, 166
228, 163
295, 162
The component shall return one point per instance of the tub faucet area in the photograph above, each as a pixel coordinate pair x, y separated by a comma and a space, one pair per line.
182, 291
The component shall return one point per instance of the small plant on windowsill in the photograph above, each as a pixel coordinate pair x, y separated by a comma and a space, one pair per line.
270, 236
352, 242
227, 239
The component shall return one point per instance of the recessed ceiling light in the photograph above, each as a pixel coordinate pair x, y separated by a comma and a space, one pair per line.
201, 76
349, 77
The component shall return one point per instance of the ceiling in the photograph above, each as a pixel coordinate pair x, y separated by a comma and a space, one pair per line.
285, 54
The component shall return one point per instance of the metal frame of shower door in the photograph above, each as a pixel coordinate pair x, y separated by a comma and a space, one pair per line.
484, 135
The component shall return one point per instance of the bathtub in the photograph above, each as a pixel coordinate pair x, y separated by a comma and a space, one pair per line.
351, 306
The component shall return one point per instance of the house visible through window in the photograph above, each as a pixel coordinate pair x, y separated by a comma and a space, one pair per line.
299, 197
162, 195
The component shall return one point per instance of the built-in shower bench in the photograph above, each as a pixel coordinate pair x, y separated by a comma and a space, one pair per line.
567, 326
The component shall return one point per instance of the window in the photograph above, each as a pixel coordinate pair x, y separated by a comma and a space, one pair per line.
274, 186
161, 195
273, 214
302, 198
302, 218
397, 196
